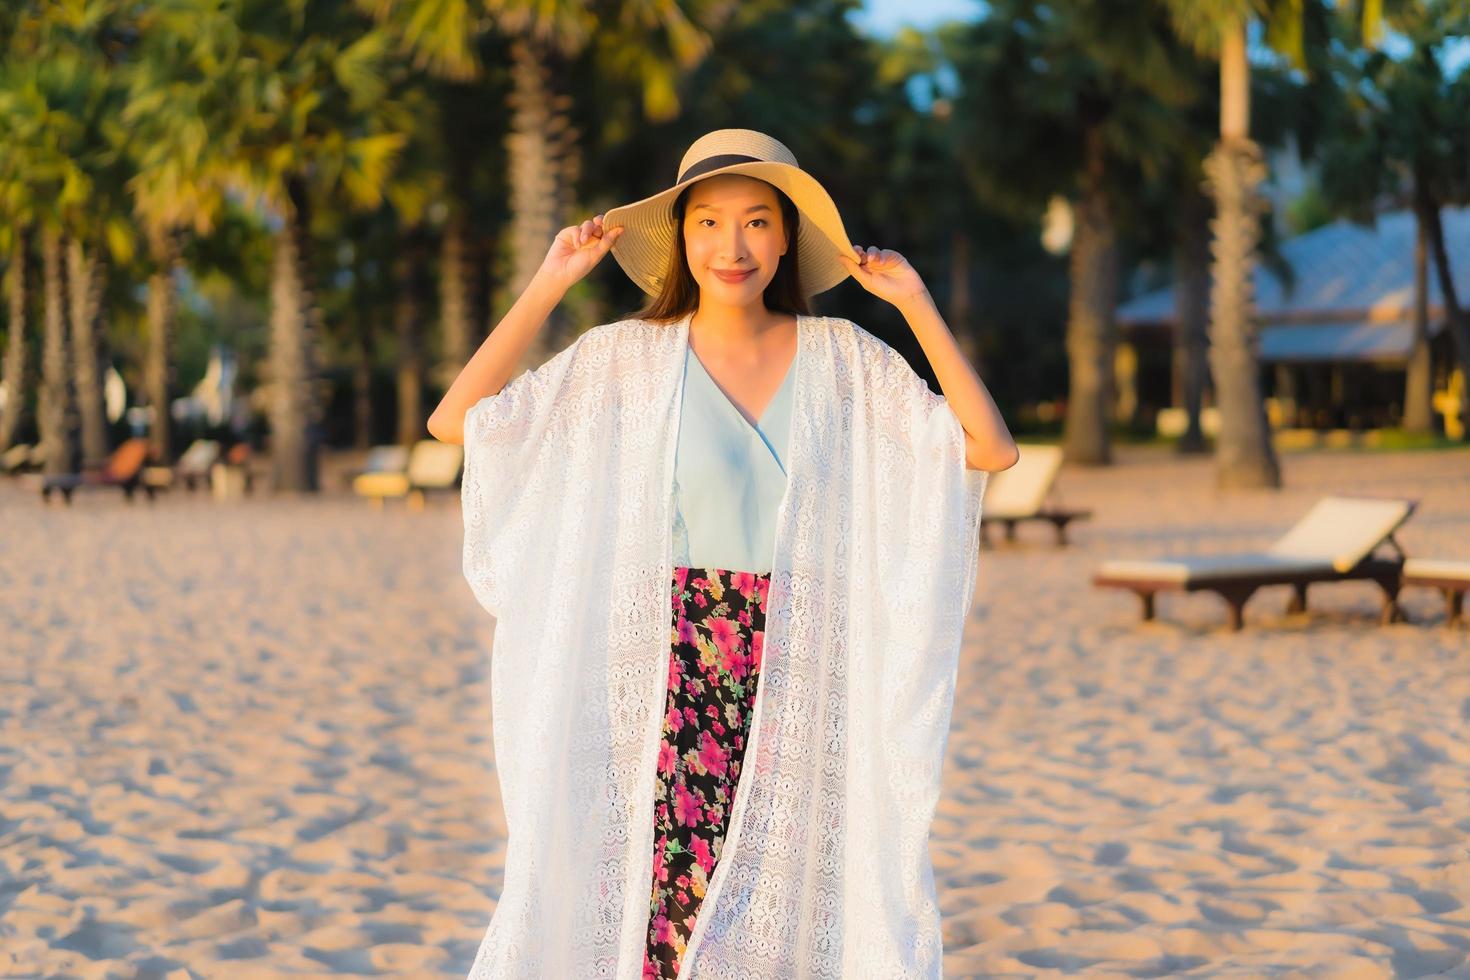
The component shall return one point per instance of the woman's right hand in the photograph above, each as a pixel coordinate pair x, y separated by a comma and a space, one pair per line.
576, 249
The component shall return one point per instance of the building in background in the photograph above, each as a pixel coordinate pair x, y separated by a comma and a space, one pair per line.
1336, 338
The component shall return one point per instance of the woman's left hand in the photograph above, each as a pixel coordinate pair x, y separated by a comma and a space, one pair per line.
884, 273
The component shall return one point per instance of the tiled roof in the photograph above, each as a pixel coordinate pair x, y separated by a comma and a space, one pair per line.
1343, 271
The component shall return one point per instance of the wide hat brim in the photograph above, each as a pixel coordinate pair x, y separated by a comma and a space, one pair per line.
648, 228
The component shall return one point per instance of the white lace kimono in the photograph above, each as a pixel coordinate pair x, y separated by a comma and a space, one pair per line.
825, 870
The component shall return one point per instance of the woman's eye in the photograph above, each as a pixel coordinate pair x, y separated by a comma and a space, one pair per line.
754, 220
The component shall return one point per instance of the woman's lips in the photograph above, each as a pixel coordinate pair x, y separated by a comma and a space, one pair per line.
734, 276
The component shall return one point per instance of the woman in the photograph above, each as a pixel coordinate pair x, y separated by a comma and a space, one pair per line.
804, 462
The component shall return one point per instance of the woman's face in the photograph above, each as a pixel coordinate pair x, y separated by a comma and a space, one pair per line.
733, 225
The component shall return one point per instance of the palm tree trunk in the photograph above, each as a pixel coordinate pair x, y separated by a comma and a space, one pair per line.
1191, 313
1454, 314
294, 415
1094, 294
362, 366
544, 167
1235, 169
961, 306
456, 309
1418, 376
86, 276
408, 327
17, 378
55, 395
158, 364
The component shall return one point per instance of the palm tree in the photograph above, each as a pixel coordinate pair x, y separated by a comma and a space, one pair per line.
1234, 170
650, 42
1402, 137
175, 188
297, 109
1087, 97
16, 374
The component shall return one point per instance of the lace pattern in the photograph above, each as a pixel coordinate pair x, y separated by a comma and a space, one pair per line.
825, 869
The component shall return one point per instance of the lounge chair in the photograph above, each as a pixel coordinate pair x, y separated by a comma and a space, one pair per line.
22, 458
1451, 577
1021, 492
123, 470
381, 459
432, 466
192, 468
1334, 542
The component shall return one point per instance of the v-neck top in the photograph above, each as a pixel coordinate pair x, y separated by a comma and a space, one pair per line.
729, 475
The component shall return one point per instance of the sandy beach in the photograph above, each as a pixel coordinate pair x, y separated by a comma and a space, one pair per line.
253, 740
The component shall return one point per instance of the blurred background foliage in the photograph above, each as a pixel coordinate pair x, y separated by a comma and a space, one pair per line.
347, 194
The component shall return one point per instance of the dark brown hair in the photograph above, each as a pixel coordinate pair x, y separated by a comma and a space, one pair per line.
680, 292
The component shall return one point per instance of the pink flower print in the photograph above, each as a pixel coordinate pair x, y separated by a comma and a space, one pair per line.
701, 600
744, 617
662, 928
681, 578
712, 756
762, 589
724, 633
660, 865
687, 632
690, 716
676, 667
666, 758
686, 807
699, 847
757, 647
675, 719
735, 663
744, 583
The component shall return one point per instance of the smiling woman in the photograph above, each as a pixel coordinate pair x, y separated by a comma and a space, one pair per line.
731, 547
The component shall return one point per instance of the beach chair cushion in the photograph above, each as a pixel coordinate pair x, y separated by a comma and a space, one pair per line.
199, 457
386, 459
1021, 490
380, 484
1197, 568
1342, 531
435, 465
126, 462
1439, 569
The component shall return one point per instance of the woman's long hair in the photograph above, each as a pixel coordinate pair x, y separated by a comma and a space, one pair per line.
680, 292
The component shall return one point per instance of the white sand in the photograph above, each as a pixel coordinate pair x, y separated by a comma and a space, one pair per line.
253, 741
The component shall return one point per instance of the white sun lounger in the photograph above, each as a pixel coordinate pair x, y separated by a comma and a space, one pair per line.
1021, 492
1335, 541
432, 466
1451, 577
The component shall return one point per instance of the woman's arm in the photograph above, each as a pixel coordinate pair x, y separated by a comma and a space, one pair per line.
495, 361
888, 275
572, 255
988, 442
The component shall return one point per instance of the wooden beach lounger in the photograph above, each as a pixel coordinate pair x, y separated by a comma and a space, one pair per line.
1451, 577
1020, 494
432, 466
22, 458
123, 470
1334, 542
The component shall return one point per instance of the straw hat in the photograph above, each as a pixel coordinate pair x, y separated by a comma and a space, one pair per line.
648, 225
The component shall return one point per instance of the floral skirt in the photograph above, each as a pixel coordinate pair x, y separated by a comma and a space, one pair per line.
719, 619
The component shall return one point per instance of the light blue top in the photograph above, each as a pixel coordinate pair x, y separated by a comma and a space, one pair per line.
729, 475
